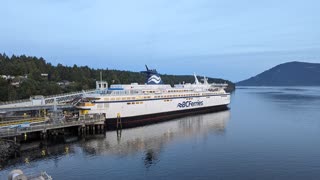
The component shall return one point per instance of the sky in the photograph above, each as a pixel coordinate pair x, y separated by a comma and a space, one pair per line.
231, 39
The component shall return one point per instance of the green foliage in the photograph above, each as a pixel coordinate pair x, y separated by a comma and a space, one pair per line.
80, 77
3, 90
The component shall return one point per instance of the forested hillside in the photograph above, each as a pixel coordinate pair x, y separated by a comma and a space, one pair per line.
287, 74
24, 76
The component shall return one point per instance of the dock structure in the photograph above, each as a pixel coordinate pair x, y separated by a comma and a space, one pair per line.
44, 115
82, 123
41, 102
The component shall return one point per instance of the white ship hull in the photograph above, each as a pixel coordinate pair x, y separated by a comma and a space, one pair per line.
155, 106
134, 103
155, 110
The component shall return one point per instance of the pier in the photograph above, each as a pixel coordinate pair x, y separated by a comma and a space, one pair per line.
95, 122
45, 117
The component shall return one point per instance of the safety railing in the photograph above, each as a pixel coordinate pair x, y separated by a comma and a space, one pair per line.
21, 121
7, 132
14, 102
70, 93
47, 97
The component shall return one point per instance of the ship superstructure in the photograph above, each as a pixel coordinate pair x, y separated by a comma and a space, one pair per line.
153, 101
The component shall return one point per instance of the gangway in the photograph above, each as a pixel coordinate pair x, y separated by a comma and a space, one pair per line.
36, 101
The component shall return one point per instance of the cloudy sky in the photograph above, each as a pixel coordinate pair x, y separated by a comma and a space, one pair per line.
232, 39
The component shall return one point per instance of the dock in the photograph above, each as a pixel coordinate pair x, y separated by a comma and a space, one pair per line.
44, 116
98, 120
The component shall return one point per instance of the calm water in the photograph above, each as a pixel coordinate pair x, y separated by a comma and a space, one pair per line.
268, 133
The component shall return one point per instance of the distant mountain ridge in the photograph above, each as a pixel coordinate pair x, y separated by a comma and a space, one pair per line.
287, 74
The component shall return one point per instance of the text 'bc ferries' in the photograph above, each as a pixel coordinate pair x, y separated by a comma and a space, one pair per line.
153, 101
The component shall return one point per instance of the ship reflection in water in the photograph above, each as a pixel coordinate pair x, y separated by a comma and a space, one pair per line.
151, 139
146, 140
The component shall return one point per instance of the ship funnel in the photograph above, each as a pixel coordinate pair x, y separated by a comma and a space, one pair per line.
152, 76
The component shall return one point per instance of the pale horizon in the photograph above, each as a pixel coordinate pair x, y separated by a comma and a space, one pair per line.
234, 40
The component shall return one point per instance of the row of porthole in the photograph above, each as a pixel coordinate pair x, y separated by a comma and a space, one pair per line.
132, 103
149, 97
179, 95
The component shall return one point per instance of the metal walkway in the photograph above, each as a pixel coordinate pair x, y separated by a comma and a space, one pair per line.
11, 132
61, 100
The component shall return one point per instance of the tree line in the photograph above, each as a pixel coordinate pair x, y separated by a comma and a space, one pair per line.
79, 77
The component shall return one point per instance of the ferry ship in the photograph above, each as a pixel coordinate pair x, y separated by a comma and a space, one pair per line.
129, 105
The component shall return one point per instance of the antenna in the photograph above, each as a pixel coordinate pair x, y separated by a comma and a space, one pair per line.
205, 80
147, 68
101, 76
195, 78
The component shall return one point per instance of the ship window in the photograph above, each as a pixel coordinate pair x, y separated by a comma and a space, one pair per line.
124, 98
112, 99
141, 102
118, 98
133, 102
128, 103
106, 99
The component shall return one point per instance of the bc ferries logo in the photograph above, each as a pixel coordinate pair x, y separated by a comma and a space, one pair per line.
154, 79
189, 104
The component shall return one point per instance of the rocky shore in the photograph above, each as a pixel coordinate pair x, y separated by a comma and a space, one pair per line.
7, 149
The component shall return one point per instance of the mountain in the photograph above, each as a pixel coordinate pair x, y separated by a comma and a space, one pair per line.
287, 74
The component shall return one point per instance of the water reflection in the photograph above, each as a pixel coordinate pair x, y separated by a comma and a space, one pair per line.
151, 139
148, 140
151, 158
28, 158
298, 97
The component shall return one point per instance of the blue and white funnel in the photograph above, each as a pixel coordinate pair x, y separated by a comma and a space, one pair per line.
152, 76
